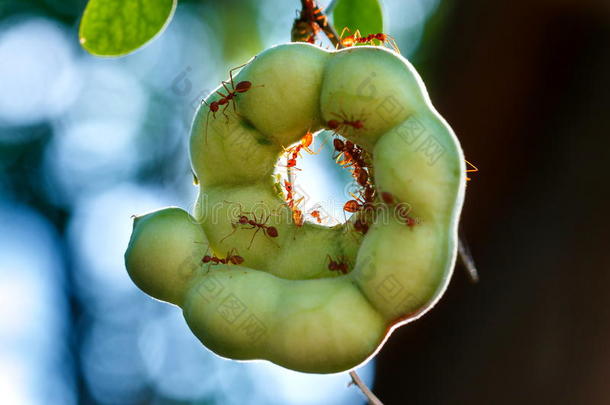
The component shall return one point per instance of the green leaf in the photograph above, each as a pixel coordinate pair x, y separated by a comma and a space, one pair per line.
117, 27
363, 15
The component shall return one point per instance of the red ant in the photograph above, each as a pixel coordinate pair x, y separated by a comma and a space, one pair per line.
297, 215
343, 149
316, 214
340, 265
232, 93
387, 197
225, 99
357, 38
269, 231
344, 121
294, 152
365, 200
353, 205
361, 176
353, 156
230, 259
474, 169
356, 204
401, 210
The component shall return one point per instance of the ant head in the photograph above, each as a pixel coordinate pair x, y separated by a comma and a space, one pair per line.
333, 124
387, 197
236, 259
243, 219
213, 106
307, 139
242, 87
410, 222
337, 143
272, 231
206, 259
351, 206
361, 226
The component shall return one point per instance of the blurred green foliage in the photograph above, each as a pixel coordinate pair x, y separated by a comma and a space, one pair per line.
363, 15
118, 27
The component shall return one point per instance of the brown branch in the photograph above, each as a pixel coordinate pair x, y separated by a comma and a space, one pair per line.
373, 400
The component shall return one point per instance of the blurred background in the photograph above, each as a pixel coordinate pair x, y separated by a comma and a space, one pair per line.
86, 142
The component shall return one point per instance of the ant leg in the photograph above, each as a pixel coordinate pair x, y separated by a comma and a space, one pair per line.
232, 252
235, 105
474, 169
393, 43
207, 124
224, 111
336, 158
253, 236
269, 238
343, 32
290, 168
356, 198
319, 149
241, 208
224, 84
234, 226
234, 69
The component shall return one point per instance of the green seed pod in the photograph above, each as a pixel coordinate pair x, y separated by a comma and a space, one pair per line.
283, 303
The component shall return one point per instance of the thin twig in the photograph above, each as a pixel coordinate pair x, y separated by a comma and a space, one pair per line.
467, 261
373, 400
331, 34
